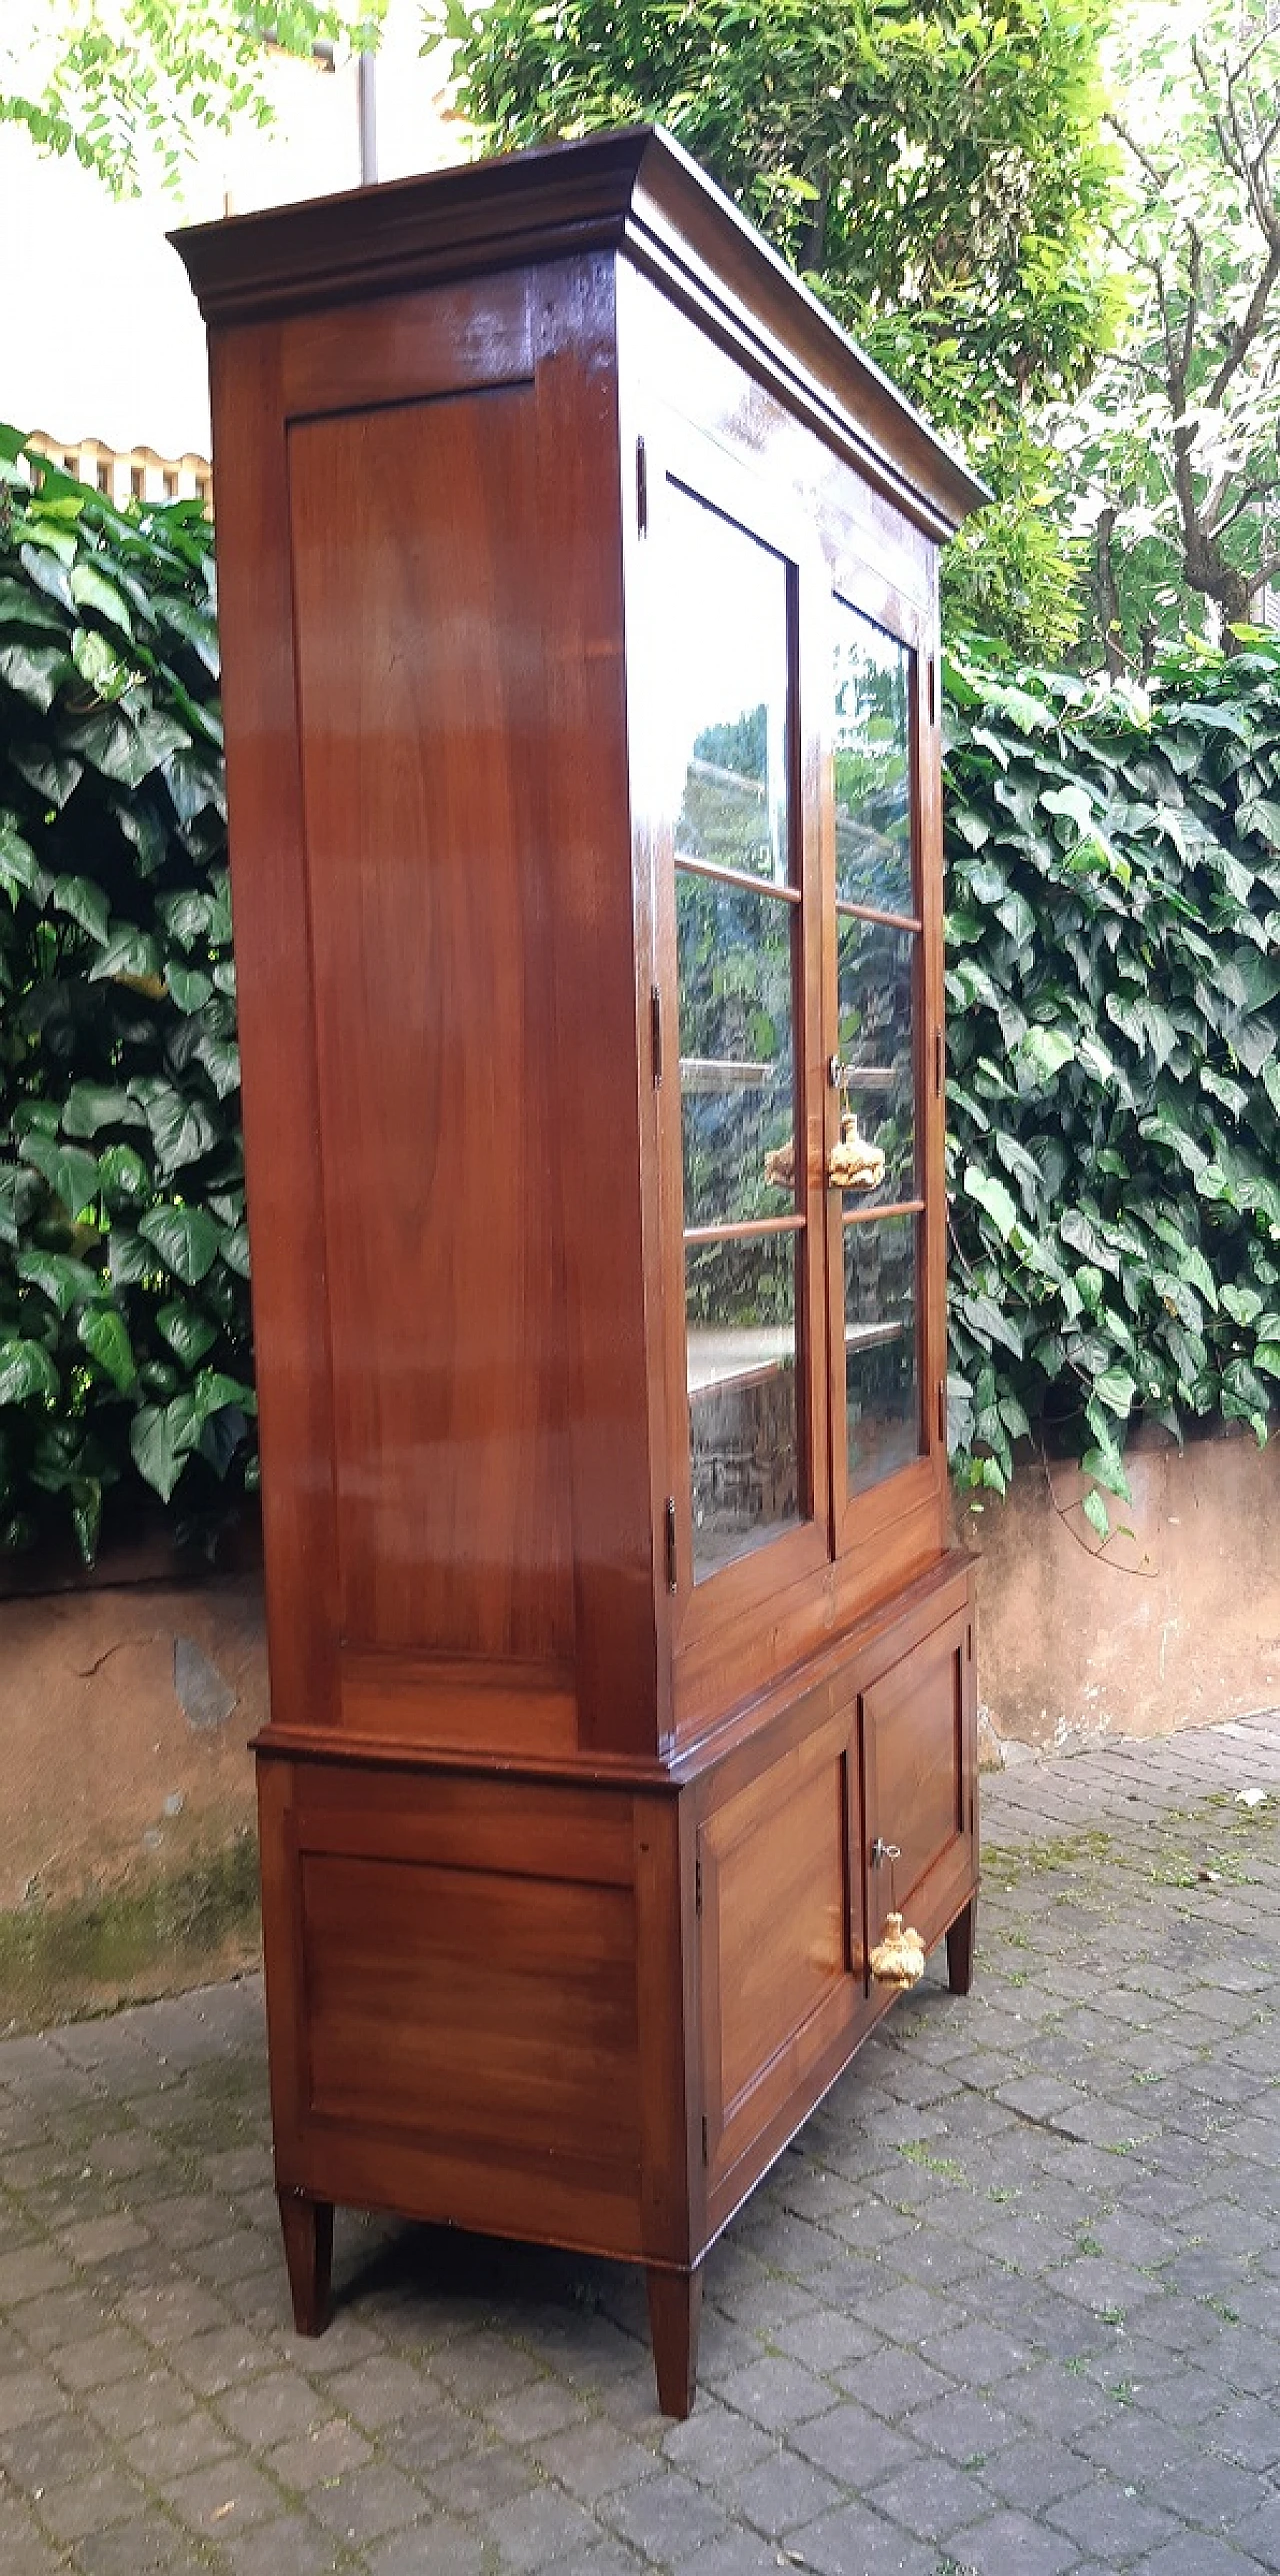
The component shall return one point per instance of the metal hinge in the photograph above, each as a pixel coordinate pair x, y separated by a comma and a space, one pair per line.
939, 1062
697, 1885
655, 1018
642, 488
933, 690
704, 2138
942, 1411
671, 1542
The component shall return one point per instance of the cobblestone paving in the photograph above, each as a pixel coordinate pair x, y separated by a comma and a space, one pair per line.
1012, 2305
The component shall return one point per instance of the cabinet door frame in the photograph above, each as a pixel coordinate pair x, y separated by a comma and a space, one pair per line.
679, 457
857, 1517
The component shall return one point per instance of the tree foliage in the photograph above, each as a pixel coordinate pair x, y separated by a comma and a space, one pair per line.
1174, 448
1114, 997
936, 173
124, 1324
128, 85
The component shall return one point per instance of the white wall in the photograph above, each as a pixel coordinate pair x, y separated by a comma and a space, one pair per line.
100, 337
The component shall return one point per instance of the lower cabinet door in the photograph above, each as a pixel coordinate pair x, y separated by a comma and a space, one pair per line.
781, 1947
919, 1767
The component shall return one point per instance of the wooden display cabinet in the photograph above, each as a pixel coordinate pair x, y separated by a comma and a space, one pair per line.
580, 629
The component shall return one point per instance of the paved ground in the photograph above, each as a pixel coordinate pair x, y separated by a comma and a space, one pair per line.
1012, 2306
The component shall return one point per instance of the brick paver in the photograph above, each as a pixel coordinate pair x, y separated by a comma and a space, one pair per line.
1012, 2302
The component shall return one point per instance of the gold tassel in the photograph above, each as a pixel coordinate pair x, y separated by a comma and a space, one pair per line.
898, 1956
855, 1163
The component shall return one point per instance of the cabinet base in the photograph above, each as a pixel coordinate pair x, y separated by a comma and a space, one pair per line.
960, 1941
675, 2315
307, 2227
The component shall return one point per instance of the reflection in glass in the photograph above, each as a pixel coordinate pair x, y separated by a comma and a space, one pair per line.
882, 1392
743, 1413
736, 1078
726, 650
875, 997
872, 766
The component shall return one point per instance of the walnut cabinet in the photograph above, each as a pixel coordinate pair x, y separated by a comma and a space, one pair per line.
579, 613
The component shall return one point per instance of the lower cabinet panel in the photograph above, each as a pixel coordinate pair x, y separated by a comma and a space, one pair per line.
777, 1945
919, 1771
472, 2006
592, 2012
465, 2029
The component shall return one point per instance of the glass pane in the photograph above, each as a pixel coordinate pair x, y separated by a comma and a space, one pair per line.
882, 1392
725, 647
873, 767
736, 1080
875, 967
743, 1411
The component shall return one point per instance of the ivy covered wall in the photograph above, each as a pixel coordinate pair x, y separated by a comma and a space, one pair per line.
1114, 1043
124, 1319
1114, 997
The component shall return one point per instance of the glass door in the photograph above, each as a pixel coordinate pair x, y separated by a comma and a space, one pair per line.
736, 937
877, 1207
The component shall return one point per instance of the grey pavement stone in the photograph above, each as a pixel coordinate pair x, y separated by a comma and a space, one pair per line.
855, 2541
784, 2491
665, 2518
1011, 2302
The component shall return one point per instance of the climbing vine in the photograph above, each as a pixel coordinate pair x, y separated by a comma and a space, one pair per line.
124, 1322
1114, 996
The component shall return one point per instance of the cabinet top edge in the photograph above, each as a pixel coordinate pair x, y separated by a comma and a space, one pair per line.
635, 191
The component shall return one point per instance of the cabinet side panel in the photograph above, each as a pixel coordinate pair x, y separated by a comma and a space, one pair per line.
418, 606
274, 984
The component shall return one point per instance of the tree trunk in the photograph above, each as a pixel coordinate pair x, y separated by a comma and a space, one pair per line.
1106, 593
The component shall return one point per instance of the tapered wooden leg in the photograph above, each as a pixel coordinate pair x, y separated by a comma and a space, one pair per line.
960, 1948
307, 2226
675, 2313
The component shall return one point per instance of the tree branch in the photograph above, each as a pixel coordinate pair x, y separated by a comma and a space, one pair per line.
1248, 326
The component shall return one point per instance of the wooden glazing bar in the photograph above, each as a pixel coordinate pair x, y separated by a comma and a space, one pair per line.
736, 1231
738, 878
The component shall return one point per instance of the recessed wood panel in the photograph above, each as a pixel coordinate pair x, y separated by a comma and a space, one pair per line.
418, 614
776, 1934
917, 1786
478, 2008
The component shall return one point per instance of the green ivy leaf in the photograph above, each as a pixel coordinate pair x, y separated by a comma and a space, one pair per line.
72, 1174
189, 985
26, 1370
57, 1275
186, 1331
125, 1179
181, 1129
186, 1239
993, 1198
161, 1438
105, 1336
84, 901
91, 589
130, 955
1096, 1513
20, 870
91, 1105
32, 671
1116, 1389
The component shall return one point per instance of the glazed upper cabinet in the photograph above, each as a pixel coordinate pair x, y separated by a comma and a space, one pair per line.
578, 587
788, 720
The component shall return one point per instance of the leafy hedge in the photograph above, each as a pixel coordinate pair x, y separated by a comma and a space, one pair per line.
1114, 995
1114, 986
124, 1322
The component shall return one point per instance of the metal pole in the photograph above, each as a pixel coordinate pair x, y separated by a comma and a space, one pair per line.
366, 95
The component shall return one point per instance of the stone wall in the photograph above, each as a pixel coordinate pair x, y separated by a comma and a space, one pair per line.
127, 1852
1172, 1626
